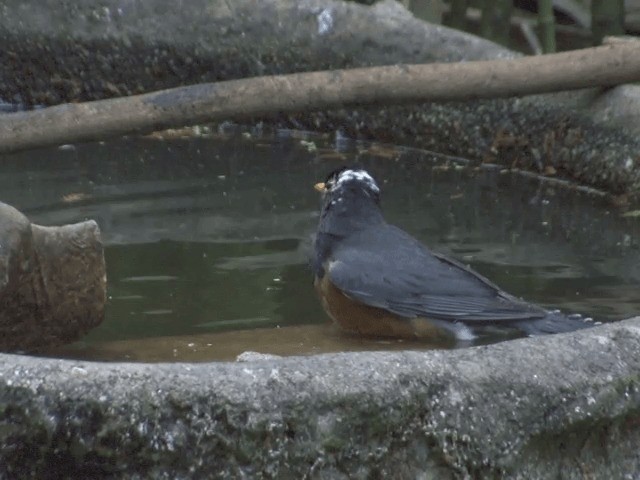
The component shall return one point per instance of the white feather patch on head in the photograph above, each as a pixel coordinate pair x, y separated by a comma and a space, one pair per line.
358, 175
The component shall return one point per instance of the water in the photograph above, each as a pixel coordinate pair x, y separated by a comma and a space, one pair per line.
207, 238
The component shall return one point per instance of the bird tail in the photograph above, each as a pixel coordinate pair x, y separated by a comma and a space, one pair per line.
556, 322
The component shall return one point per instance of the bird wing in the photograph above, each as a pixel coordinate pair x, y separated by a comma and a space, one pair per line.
389, 269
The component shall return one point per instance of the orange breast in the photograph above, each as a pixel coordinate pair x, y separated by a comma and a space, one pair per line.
358, 318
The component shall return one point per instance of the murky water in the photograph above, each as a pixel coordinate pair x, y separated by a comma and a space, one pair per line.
207, 239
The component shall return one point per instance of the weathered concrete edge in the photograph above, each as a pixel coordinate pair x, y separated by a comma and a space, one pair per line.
496, 411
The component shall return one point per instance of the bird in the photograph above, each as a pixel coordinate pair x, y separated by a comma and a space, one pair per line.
374, 279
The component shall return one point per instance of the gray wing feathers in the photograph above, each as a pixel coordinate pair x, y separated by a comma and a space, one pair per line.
397, 273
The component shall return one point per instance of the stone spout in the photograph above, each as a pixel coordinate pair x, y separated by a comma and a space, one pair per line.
52, 282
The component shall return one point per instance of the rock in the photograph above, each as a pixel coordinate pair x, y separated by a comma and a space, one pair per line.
545, 407
55, 53
619, 106
52, 282
256, 357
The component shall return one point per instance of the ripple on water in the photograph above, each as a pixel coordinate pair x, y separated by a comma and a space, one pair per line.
207, 239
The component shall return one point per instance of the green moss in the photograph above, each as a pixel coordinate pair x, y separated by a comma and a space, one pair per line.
334, 444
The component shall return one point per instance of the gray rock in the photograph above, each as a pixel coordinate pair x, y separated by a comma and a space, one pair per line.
545, 407
256, 357
52, 282
619, 106
58, 52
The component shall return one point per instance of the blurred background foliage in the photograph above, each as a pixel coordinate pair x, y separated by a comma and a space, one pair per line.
533, 26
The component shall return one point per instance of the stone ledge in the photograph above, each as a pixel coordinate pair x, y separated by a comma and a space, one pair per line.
542, 407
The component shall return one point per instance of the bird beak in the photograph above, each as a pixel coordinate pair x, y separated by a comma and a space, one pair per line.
320, 187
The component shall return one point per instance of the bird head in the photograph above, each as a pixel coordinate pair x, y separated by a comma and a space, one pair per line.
352, 181
350, 200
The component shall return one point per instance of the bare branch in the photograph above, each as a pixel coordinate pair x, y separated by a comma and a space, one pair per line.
607, 65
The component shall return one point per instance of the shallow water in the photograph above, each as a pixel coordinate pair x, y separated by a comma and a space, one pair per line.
207, 239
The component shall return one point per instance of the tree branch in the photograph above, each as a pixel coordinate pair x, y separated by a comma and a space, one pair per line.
606, 65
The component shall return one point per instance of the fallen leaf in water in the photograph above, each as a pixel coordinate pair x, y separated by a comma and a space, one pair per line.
383, 151
74, 197
310, 146
332, 156
180, 133
620, 200
632, 214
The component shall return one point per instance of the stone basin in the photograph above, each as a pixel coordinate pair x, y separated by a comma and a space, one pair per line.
546, 407
563, 406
